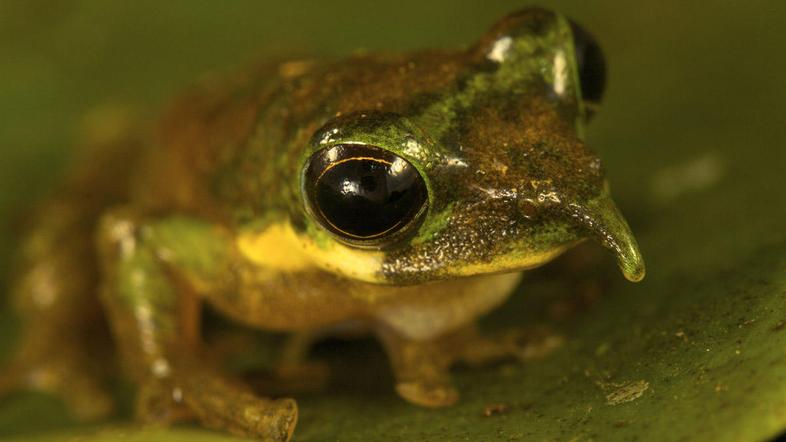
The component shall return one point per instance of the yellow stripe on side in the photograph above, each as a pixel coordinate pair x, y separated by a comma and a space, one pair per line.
279, 248
276, 248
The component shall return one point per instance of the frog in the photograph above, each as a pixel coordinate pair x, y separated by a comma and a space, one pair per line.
401, 195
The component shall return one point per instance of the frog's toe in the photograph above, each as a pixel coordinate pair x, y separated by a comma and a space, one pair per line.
276, 422
262, 419
427, 393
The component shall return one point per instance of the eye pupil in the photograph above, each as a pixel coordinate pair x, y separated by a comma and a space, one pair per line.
356, 192
369, 183
591, 64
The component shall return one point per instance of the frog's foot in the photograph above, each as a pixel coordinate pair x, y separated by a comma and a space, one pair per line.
62, 374
523, 344
217, 403
421, 369
428, 393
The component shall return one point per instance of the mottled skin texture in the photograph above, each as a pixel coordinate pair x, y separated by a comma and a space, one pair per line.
210, 209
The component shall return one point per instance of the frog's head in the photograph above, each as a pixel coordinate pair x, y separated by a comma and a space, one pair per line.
489, 174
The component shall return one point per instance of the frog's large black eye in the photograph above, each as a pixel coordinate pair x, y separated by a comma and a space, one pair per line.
363, 194
591, 64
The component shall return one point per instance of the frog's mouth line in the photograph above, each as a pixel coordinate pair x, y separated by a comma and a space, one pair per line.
605, 224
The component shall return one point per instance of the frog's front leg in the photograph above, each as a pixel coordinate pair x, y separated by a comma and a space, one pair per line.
154, 270
421, 366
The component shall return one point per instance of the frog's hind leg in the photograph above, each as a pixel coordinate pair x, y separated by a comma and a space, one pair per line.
65, 346
61, 348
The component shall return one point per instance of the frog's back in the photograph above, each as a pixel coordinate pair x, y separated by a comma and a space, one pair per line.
233, 145
195, 137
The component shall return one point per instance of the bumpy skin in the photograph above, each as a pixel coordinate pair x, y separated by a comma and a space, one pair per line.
210, 209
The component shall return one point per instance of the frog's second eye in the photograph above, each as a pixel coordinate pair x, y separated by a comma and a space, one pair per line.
591, 64
363, 194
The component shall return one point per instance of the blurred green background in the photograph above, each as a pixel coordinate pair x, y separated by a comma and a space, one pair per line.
693, 135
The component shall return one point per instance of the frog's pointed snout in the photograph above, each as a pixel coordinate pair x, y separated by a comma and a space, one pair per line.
604, 222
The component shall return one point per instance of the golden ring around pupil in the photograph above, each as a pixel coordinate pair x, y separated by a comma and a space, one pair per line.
346, 160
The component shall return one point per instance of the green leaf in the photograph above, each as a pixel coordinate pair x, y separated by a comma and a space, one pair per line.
692, 135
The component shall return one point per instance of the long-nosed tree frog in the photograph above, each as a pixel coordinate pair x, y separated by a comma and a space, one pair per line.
402, 195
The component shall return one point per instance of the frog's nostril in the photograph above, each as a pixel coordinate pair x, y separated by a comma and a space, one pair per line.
527, 208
